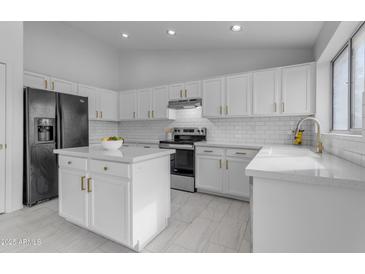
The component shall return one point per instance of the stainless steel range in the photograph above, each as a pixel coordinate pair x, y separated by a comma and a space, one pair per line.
183, 161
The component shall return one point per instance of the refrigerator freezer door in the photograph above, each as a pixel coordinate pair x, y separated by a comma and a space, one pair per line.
73, 121
40, 164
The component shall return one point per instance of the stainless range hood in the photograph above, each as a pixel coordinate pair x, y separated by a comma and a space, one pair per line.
185, 103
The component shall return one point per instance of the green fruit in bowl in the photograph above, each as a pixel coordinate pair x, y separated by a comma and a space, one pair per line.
112, 138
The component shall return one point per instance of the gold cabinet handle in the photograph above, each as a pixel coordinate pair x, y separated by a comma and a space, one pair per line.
105, 168
1, 146
97, 116
45, 84
220, 163
275, 107
134, 114
69, 162
282, 107
226, 164
149, 114
89, 184
153, 114
220, 110
186, 93
83, 183
52, 85
226, 109
181, 93
101, 114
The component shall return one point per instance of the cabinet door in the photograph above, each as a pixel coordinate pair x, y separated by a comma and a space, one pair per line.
213, 90
237, 183
209, 173
265, 89
160, 102
92, 95
35, 80
2, 136
176, 91
73, 203
63, 86
109, 207
128, 105
108, 105
192, 89
238, 95
144, 104
296, 86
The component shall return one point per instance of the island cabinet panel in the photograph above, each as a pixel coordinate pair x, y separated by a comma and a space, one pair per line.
127, 202
109, 207
73, 199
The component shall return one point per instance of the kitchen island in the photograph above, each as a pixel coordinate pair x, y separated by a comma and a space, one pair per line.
123, 195
302, 201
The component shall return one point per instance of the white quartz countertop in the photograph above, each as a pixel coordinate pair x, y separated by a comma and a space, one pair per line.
123, 155
228, 145
141, 141
299, 164
302, 164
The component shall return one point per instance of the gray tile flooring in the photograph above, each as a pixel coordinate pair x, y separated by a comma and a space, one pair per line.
198, 223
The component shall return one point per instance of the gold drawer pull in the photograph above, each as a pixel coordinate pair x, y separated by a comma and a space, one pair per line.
226, 164
186, 93
69, 162
89, 184
97, 114
45, 84
220, 163
83, 183
208, 150
241, 153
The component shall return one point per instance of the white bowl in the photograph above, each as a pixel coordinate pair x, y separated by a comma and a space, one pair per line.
112, 145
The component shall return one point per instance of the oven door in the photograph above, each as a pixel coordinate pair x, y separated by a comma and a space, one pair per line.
183, 163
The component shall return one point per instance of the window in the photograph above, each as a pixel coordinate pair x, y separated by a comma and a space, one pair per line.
348, 71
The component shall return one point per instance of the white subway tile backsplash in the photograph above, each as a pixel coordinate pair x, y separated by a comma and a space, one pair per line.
266, 130
100, 129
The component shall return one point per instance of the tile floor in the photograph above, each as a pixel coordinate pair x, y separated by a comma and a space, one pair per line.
198, 223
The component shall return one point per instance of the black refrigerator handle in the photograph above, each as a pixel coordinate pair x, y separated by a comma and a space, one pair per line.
59, 143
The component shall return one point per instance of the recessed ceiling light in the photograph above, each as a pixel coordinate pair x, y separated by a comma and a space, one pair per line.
171, 32
236, 28
125, 35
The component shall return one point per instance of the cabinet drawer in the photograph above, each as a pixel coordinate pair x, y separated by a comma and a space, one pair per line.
109, 168
210, 151
241, 152
72, 162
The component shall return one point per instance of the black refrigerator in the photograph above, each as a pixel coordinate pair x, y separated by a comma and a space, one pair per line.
52, 120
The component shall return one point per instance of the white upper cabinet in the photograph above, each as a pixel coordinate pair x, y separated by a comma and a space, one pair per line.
36, 80
160, 100
192, 89
63, 86
145, 104
213, 93
185, 90
265, 86
176, 91
91, 94
128, 105
238, 95
297, 86
108, 105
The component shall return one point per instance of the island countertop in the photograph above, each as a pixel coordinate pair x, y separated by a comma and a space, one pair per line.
123, 155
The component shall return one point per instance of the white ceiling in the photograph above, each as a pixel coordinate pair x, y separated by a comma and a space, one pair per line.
203, 35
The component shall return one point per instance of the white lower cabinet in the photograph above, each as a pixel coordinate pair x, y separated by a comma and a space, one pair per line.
237, 181
209, 175
222, 171
109, 207
73, 198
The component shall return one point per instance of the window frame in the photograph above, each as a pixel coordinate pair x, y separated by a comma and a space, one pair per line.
348, 44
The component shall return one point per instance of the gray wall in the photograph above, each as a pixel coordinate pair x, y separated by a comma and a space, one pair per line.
54, 48
148, 68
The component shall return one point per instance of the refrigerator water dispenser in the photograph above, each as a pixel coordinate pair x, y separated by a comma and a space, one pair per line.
45, 130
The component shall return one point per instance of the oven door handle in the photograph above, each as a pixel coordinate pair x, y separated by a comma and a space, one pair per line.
184, 147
